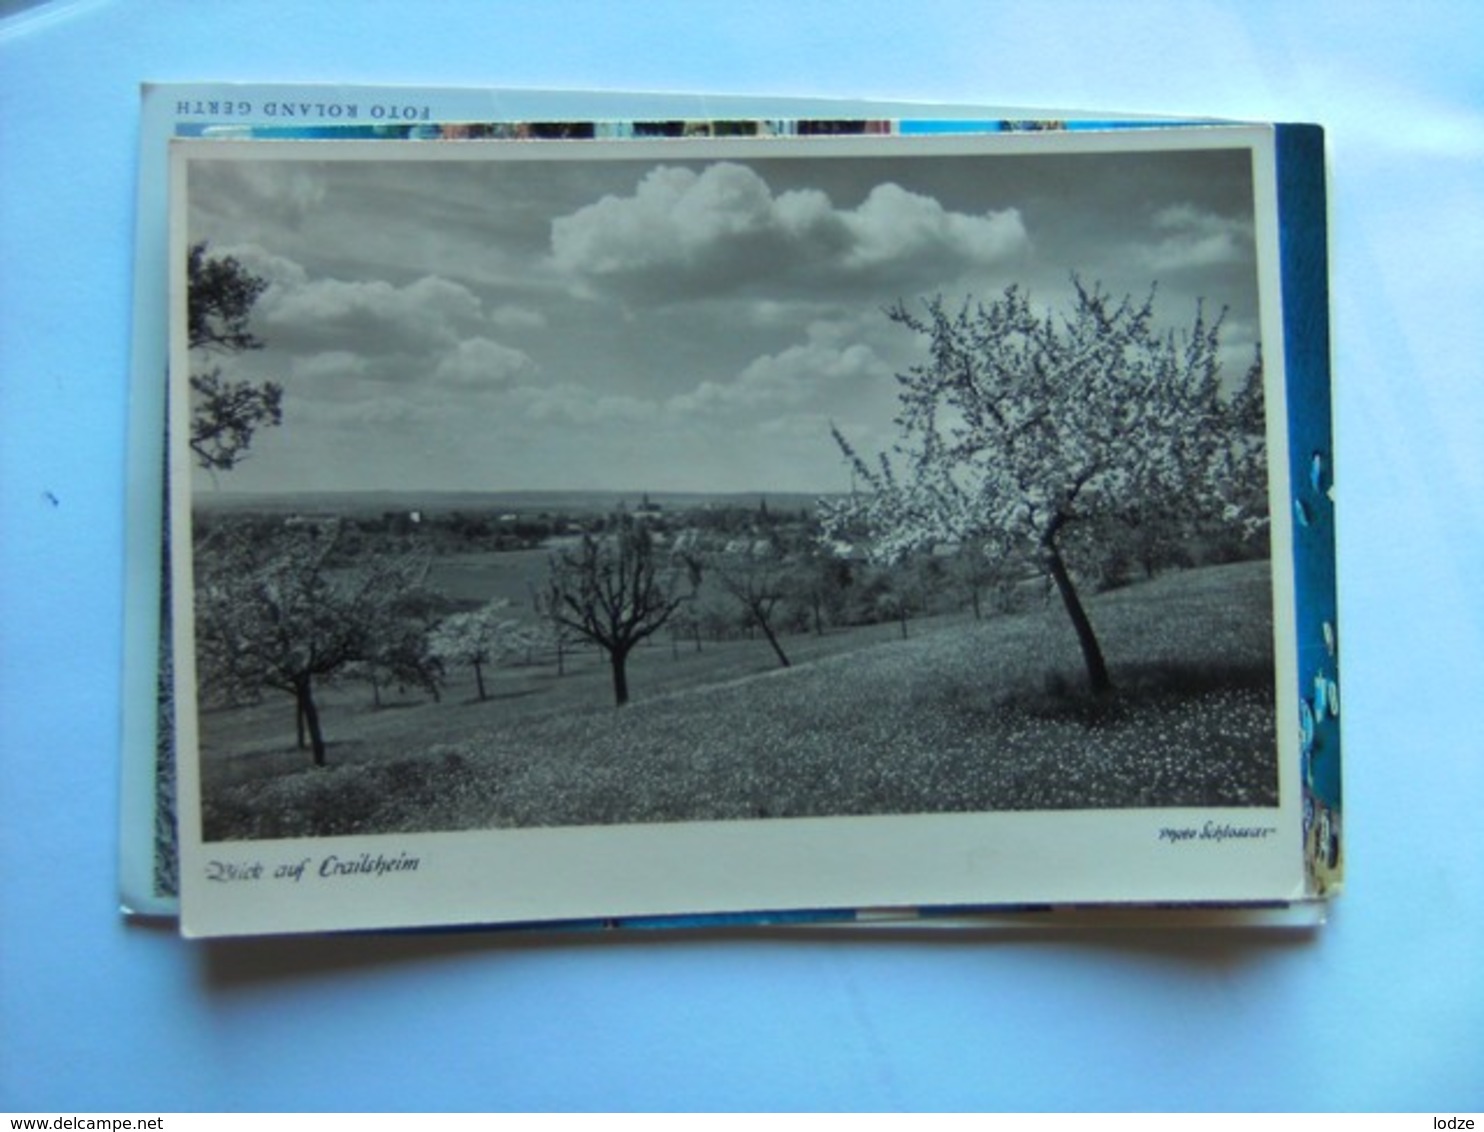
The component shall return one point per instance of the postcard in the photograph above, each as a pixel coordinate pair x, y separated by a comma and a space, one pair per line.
703, 525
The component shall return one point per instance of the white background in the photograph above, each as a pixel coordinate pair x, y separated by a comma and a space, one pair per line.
1384, 1008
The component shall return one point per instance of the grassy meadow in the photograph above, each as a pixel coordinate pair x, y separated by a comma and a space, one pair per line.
963, 715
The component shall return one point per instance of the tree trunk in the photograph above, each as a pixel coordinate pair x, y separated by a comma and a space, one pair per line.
1097, 669
479, 679
618, 659
309, 716
772, 640
299, 722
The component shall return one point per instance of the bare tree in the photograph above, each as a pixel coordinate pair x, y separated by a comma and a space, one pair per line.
758, 579
615, 592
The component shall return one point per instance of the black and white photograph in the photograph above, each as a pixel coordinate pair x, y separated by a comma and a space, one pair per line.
568, 485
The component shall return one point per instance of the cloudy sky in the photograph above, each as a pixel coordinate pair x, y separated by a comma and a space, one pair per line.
687, 322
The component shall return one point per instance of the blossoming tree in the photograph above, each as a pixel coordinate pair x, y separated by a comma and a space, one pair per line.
1023, 424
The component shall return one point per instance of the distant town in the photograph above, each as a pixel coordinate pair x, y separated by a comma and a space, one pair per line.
473, 521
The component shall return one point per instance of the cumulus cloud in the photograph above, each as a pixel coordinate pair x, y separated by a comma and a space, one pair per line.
684, 233
1189, 238
893, 226
476, 363
336, 342
824, 366
373, 317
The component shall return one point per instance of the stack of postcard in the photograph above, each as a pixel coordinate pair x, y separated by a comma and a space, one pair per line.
626, 510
